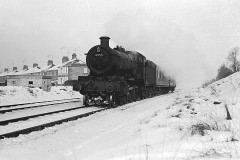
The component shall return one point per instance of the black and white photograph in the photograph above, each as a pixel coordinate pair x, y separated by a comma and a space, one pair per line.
119, 79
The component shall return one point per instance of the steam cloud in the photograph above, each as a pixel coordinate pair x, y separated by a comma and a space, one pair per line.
162, 42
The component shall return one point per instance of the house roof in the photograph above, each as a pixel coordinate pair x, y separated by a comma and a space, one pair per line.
9, 73
4, 73
36, 69
47, 67
65, 64
32, 70
22, 72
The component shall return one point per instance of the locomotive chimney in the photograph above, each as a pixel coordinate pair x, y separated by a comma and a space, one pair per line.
104, 41
6, 70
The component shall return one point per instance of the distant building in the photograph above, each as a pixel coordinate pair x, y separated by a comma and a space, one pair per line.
77, 69
70, 70
61, 74
47, 72
33, 77
63, 70
3, 78
5, 74
40, 81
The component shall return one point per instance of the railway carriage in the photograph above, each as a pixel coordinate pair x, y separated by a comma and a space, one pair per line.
118, 76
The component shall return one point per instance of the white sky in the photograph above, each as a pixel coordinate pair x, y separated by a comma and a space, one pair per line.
189, 38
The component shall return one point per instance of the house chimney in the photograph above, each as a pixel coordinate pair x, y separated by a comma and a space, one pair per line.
49, 62
74, 56
35, 65
104, 41
25, 67
14, 68
6, 70
65, 59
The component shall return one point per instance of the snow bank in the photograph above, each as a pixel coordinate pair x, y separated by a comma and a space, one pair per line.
186, 124
226, 88
13, 95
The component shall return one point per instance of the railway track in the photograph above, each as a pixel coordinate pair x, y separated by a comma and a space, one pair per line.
14, 126
30, 117
7, 121
44, 122
11, 107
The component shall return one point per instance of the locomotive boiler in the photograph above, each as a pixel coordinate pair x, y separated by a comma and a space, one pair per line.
105, 61
118, 76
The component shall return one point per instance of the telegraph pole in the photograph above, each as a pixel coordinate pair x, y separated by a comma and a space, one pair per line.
62, 50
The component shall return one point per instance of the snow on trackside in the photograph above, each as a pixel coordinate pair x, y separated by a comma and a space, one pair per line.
186, 124
15, 95
226, 87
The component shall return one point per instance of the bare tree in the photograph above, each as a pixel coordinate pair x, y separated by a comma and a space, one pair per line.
233, 59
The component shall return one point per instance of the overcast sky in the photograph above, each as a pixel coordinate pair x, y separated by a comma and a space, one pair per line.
190, 39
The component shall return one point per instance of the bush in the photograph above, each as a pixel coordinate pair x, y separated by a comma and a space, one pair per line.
208, 82
223, 72
200, 128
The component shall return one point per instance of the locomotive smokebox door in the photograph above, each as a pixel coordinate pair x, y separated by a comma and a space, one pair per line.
99, 59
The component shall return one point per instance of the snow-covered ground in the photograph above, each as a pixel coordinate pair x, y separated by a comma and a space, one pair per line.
15, 95
186, 124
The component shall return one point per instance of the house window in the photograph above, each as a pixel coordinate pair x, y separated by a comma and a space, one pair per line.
85, 70
30, 82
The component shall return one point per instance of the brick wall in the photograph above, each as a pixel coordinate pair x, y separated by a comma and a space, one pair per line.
3, 79
30, 81
75, 71
52, 73
46, 84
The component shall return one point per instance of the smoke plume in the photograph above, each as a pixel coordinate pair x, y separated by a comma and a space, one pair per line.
162, 42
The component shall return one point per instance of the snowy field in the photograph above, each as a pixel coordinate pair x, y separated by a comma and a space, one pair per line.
186, 124
15, 95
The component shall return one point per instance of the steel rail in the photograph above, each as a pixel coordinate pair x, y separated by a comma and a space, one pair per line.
35, 106
20, 104
5, 122
50, 124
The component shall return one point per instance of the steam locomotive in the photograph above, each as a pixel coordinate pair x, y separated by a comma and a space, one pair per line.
118, 76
